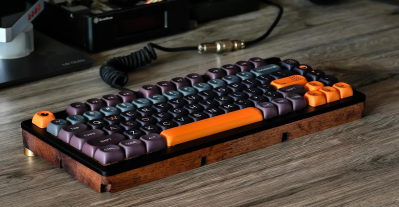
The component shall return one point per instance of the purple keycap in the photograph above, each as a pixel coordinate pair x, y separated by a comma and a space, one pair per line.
195, 78
109, 154
230, 69
165, 86
268, 110
127, 96
257, 62
153, 142
132, 148
77, 108
80, 138
244, 65
113, 119
95, 104
111, 100
133, 133
297, 101
292, 89
215, 73
289, 64
67, 132
283, 105
148, 90
90, 147
180, 82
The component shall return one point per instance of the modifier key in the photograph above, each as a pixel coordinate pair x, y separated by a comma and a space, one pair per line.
109, 154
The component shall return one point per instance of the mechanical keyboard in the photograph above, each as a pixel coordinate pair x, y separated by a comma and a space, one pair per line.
122, 140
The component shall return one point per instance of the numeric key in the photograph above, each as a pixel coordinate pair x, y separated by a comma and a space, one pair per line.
214, 73
164, 86
77, 108
257, 61
148, 90
244, 65
95, 104
111, 99
127, 96
180, 82
195, 78
230, 69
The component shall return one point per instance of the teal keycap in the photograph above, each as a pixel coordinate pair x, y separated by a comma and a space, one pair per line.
172, 94
231, 79
76, 119
55, 126
245, 75
141, 102
216, 83
125, 107
109, 110
202, 87
157, 98
187, 90
266, 69
90, 115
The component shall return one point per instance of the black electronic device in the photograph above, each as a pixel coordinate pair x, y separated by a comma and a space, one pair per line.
100, 25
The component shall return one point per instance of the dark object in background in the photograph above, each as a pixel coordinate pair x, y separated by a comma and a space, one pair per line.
323, 2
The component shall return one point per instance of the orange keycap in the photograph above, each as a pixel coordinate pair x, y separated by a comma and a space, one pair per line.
211, 126
345, 90
313, 86
331, 93
315, 98
290, 80
42, 118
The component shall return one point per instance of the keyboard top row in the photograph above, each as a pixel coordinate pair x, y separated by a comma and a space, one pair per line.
128, 124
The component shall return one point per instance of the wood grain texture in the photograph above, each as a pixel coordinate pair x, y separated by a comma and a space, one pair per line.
355, 164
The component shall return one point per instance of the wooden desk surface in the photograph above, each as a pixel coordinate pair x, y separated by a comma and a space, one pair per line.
355, 164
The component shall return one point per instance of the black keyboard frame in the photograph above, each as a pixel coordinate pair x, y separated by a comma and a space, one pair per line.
187, 147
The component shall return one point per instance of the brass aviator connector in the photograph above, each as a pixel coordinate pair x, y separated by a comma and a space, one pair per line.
221, 46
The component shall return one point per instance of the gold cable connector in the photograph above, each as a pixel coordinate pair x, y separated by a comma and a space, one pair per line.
221, 46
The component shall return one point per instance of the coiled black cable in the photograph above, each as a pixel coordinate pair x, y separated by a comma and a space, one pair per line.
115, 71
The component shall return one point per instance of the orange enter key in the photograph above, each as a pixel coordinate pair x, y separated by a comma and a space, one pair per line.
211, 126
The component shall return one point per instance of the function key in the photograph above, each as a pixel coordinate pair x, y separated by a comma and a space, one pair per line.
328, 80
243, 103
345, 90
127, 125
313, 86
245, 75
265, 79
75, 119
113, 129
297, 101
133, 133
208, 103
195, 78
238, 95
148, 90
141, 102
315, 98
216, 83
265, 70
213, 111
132, 148
198, 116
145, 111
252, 91
182, 120
229, 107
162, 116
165, 86
202, 87
205, 95
222, 91
109, 110
55, 126
150, 128
80, 138
161, 107
314, 75
77, 108
153, 142
192, 99
129, 115
125, 107
257, 61
176, 112
111, 99
244, 65
283, 105
289, 64
236, 87
193, 108
302, 69
270, 95
187, 90
157, 98
113, 119
96, 123
166, 124
250, 83
266, 88
215, 73
172, 95
331, 93
109, 154
268, 110
127, 96
180, 82
146, 120
95, 104
66, 133
292, 89
281, 74
223, 100
90, 115
231, 79
177, 103
256, 99
230, 69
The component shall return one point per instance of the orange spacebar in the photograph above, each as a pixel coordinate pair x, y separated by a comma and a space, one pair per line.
210, 126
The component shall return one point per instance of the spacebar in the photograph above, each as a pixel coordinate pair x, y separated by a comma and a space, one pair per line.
211, 126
